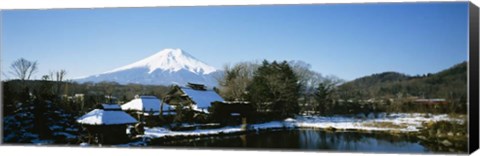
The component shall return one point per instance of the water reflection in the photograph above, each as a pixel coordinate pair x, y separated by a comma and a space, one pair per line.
309, 139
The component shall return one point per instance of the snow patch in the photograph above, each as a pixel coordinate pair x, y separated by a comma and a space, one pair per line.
411, 122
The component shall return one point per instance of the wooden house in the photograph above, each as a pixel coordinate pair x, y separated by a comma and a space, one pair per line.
107, 124
432, 103
147, 109
148, 106
198, 96
232, 112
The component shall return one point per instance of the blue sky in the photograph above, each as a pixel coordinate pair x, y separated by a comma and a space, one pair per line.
346, 40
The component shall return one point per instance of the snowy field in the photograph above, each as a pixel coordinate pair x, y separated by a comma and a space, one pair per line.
393, 122
399, 122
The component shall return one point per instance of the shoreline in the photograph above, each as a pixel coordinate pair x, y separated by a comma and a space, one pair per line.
398, 123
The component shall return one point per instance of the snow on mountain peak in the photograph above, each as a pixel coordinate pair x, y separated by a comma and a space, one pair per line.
171, 60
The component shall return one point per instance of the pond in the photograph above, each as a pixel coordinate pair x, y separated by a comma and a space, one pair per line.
308, 139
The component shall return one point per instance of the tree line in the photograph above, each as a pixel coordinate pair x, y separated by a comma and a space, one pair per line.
283, 89
396, 92
289, 88
75, 98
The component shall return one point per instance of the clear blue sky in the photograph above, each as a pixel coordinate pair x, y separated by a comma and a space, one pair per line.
346, 40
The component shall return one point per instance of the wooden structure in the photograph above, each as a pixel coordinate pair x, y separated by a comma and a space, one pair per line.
107, 124
147, 108
198, 96
431, 101
232, 112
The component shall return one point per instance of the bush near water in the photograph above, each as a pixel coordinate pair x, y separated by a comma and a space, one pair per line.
445, 136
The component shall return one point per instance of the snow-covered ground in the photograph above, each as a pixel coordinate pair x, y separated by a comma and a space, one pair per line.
22, 126
400, 122
158, 132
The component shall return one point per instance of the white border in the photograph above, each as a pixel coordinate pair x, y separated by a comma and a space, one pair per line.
79, 151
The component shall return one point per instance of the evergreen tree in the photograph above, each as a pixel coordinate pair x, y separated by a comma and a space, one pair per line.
275, 87
323, 97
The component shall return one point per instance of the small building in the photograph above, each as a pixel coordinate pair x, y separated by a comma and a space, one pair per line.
431, 101
232, 112
107, 124
148, 106
198, 96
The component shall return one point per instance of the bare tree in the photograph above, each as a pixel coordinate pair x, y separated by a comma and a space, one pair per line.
236, 79
23, 69
45, 77
60, 75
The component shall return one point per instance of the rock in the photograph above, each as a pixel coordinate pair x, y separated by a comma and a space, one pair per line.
440, 135
422, 137
396, 131
446, 143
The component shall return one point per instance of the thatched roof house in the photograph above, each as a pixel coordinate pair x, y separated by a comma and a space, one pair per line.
196, 95
148, 105
107, 124
108, 114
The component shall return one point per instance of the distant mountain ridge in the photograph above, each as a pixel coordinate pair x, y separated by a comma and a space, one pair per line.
167, 67
442, 84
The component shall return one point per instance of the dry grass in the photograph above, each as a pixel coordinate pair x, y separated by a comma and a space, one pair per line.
385, 125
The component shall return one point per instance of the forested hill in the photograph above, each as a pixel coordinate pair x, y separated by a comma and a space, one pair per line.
449, 84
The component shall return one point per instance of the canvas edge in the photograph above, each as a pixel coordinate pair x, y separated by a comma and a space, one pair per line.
473, 78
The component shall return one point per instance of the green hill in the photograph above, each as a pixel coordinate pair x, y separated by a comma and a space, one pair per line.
449, 84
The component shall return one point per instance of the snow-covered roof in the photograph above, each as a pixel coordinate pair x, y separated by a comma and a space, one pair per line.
106, 117
111, 107
202, 98
146, 103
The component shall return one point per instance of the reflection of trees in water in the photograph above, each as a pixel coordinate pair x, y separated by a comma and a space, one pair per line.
396, 139
353, 139
243, 138
309, 139
315, 139
376, 141
276, 139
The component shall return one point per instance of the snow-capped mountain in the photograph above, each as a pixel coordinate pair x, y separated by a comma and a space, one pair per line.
169, 66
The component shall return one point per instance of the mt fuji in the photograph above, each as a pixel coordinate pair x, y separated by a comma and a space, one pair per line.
167, 67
